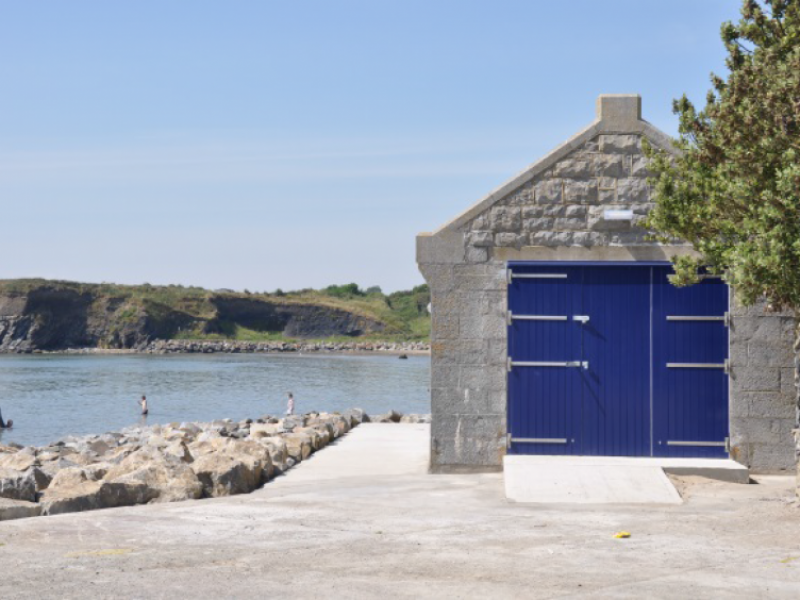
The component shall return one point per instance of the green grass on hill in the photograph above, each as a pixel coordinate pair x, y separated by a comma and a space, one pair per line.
403, 313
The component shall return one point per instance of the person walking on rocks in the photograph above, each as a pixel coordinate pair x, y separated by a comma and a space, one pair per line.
290, 405
143, 404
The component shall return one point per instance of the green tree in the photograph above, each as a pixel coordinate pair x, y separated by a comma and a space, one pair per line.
733, 189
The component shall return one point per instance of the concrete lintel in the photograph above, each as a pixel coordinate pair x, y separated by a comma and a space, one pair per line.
598, 253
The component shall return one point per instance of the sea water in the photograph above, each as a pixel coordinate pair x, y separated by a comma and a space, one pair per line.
52, 396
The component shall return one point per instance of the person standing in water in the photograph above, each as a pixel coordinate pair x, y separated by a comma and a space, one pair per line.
143, 404
290, 405
5, 424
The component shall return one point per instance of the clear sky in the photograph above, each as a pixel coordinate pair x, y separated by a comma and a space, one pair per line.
262, 144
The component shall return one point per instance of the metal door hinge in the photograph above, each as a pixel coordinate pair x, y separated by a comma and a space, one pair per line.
727, 319
582, 318
508, 441
727, 368
728, 445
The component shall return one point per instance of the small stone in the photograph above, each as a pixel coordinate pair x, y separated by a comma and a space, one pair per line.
548, 191
620, 144
580, 192
505, 218
481, 239
507, 239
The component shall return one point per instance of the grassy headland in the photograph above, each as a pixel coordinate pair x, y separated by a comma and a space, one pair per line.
180, 312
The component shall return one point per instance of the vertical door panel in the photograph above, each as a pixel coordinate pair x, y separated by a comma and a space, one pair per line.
616, 399
544, 400
690, 385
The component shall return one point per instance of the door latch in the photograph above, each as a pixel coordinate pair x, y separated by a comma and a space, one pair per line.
583, 319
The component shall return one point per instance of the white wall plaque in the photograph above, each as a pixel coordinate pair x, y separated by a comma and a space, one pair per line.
617, 215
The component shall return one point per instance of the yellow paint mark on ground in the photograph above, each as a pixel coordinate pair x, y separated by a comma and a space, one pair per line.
108, 552
622, 535
789, 559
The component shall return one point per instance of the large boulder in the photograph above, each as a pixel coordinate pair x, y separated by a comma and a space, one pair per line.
298, 445
177, 450
260, 430
207, 446
18, 485
117, 455
18, 509
356, 416
411, 419
84, 458
191, 429
18, 461
276, 447
236, 467
289, 422
91, 495
51, 467
257, 452
170, 477
72, 476
224, 475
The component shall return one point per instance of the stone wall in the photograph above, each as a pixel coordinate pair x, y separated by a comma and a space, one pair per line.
564, 205
762, 388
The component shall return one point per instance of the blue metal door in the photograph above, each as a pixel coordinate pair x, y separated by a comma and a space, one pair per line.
613, 360
616, 341
690, 383
545, 380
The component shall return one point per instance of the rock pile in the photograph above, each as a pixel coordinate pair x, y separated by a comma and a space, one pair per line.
234, 346
166, 463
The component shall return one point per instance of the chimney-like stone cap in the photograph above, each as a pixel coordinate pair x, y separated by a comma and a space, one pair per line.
619, 110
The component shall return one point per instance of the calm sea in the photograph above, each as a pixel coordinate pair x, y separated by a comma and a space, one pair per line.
52, 396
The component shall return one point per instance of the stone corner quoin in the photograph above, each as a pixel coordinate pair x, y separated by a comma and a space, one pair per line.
554, 211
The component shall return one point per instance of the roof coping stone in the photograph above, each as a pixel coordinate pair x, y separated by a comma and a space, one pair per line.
619, 111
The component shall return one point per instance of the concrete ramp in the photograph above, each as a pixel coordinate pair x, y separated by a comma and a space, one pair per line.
608, 479
586, 480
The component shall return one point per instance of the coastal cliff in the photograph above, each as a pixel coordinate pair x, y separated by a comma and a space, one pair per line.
40, 315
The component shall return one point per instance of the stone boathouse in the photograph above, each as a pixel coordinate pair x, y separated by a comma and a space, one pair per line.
556, 331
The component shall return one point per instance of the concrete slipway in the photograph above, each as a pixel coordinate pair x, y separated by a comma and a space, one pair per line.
363, 519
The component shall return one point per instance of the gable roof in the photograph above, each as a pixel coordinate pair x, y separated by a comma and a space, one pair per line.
616, 113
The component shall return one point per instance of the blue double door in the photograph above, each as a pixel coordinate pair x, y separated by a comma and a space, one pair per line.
616, 361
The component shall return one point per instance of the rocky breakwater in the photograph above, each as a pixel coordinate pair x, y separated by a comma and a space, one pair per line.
232, 346
165, 463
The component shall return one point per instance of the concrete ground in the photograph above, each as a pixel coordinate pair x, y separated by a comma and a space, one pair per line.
363, 519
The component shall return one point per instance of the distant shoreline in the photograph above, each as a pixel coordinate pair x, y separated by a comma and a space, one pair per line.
164, 347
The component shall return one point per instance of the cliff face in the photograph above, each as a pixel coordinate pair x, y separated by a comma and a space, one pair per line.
56, 318
292, 320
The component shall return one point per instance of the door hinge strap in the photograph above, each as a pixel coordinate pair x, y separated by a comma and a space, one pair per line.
514, 440
512, 317
568, 363
695, 365
704, 444
692, 318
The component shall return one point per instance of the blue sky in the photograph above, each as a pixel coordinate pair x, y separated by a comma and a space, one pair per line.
265, 144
